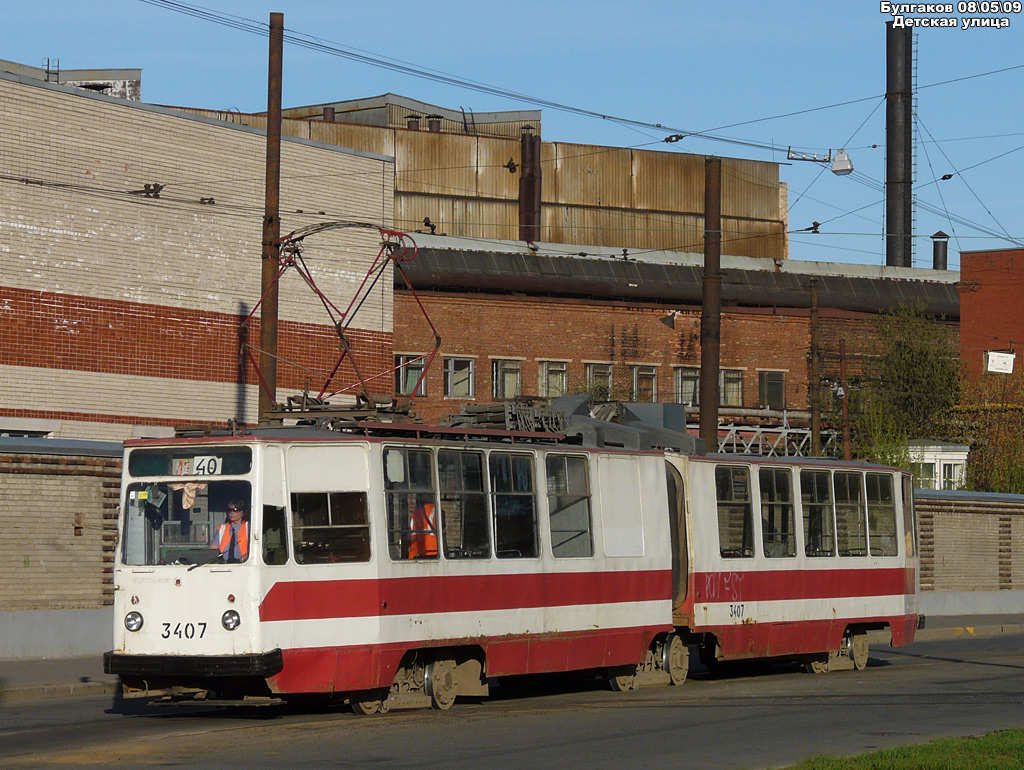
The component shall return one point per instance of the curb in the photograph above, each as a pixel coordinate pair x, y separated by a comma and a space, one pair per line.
961, 632
45, 691
948, 633
103, 687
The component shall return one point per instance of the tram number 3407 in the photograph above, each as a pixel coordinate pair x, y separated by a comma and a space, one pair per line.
184, 631
736, 610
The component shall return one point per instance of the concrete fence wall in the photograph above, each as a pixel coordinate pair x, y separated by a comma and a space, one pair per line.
972, 552
58, 528
58, 512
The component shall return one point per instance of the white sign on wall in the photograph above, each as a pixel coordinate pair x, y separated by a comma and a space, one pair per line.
1001, 363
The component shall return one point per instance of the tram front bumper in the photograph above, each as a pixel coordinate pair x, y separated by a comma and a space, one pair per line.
262, 665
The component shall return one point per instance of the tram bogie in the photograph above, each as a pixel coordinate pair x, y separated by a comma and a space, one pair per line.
399, 568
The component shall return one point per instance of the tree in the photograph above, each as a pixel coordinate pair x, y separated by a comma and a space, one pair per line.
910, 387
993, 409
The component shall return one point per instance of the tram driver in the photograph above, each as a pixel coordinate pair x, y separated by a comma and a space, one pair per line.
232, 538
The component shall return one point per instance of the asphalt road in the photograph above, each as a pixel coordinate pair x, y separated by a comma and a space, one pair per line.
747, 717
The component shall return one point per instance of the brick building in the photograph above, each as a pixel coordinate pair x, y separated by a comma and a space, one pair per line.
514, 321
991, 282
131, 252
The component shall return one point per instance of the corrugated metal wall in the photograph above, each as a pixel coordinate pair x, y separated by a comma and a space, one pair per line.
592, 195
970, 543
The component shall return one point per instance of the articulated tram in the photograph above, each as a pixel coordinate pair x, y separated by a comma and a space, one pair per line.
403, 566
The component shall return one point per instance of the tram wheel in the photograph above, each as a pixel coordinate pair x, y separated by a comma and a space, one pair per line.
676, 659
370, 706
439, 683
859, 651
817, 665
622, 678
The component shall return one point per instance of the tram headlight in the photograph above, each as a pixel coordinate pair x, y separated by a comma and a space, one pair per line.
133, 621
230, 620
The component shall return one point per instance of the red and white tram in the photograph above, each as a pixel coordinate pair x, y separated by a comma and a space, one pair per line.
401, 565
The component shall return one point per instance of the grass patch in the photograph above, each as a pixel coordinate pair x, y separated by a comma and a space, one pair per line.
1002, 750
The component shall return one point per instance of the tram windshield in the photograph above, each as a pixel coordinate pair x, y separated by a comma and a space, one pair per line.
199, 519
186, 523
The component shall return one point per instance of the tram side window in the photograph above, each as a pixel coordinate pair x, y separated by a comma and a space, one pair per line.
735, 517
851, 531
275, 543
515, 509
330, 527
460, 477
881, 515
819, 520
569, 506
778, 531
412, 515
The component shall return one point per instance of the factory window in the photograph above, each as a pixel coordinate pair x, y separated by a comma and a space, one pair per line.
408, 370
599, 381
687, 385
553, 379
645, 383
507, 376
771, 390
730, 387
458, 378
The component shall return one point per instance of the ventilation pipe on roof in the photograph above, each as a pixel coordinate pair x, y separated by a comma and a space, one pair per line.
940, 250
529, 187
412, 122
434, 123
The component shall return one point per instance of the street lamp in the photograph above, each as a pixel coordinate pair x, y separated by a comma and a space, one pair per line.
842, 165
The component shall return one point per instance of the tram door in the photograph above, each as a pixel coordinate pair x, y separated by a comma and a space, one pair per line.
677, 529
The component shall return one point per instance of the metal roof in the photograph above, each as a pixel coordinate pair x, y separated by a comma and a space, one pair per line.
745, 281
57, 446
964, 496
423, 108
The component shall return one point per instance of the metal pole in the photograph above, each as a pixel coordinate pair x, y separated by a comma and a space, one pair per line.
711, 307
271, 222
529, 187
815, 384
847, 450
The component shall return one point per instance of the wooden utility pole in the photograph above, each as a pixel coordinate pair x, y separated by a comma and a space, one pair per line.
847, 449
815, 384
711, 306
271, 224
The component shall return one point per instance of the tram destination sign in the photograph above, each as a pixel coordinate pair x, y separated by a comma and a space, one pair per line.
207, 461
205, 465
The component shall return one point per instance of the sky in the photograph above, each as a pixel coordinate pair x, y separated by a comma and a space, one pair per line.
730, 69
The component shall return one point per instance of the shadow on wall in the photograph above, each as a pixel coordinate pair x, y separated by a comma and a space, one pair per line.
243, 340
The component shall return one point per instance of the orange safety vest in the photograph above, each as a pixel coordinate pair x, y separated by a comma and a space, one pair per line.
224, 538
423, 539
